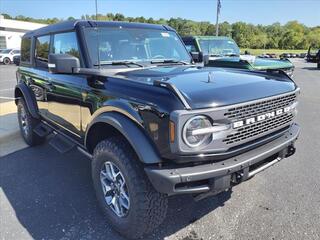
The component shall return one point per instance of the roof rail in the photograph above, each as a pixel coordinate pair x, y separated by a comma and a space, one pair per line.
175, 90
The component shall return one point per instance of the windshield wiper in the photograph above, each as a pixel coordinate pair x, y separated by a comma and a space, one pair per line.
168, 61
215, 55
232, 55
126, 63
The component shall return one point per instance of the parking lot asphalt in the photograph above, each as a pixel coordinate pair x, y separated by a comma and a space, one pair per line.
46, 195
7, 82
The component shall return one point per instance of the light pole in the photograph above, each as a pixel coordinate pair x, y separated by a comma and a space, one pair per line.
217, 20
96, 1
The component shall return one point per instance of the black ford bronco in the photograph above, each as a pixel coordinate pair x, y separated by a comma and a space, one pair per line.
154, 124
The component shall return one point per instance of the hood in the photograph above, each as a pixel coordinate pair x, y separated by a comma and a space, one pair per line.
214, 87
257, 63
265, 63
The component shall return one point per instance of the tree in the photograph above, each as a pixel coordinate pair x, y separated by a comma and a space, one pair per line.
292, 35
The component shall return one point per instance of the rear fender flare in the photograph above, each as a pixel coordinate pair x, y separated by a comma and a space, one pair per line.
29, 98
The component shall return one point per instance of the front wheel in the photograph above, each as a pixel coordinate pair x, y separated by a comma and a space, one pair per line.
6, 61
128, 200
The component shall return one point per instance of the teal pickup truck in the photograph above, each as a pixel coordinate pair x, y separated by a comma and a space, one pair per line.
224, 52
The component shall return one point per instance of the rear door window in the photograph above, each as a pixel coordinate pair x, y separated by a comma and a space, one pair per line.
25, 50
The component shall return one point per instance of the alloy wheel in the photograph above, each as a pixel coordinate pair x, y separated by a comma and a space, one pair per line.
24, 121
115, 189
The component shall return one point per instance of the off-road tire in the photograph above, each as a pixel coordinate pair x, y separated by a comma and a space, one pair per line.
6, 61
27, 123
148, 207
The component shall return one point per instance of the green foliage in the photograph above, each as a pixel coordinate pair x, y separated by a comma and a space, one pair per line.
293, 35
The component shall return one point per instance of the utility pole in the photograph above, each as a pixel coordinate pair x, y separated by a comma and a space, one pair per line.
218, 13
96, 1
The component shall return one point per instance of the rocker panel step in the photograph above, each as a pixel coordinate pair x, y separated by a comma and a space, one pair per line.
61, 144
42, 130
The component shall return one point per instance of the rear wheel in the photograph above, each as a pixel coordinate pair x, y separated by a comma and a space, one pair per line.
128, 200
27, 124
6, 61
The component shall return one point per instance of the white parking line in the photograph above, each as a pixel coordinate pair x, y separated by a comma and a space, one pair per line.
6, 89
8, 98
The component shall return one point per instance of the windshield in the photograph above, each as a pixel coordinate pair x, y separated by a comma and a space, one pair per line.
134, 45
6, 50
219, 47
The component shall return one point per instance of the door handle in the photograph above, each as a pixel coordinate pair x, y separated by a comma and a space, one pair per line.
49, 86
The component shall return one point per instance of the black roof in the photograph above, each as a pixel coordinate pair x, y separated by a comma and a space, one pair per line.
188, 38
71, 25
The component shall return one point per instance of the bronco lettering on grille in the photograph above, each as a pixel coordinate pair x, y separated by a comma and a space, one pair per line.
261, 117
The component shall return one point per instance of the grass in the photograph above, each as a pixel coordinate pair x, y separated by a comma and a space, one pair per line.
275, 51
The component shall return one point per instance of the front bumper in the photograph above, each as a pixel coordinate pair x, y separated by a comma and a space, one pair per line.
219, 176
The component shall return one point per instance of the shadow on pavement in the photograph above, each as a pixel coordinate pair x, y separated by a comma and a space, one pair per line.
53, 198
311, 68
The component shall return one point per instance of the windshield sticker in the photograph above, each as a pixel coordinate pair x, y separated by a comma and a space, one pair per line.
165, 34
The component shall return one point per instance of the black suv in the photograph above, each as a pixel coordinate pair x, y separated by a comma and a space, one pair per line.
129, 96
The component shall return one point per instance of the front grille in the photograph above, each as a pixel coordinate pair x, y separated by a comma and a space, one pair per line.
254, 109
257, 129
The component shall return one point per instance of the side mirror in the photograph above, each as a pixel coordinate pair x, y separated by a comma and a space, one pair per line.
63, 63
197, 56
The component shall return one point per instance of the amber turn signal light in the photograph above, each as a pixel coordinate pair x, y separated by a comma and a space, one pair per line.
172, 131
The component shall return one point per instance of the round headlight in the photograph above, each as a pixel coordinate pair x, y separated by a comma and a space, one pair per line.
196, 123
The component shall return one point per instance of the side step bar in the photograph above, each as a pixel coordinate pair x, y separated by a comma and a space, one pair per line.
61, 144
42, 130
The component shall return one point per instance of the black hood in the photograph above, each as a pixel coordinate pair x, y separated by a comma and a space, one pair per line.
215, 87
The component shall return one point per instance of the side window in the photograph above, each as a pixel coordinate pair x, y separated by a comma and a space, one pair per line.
25, 49
16, 52
66, 43
191, 47
42, 50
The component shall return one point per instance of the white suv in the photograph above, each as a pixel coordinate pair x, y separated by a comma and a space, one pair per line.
6, 55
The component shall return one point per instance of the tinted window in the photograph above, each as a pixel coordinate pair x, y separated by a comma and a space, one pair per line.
42, 48
16, 51
25, 49
66, 43
191, 47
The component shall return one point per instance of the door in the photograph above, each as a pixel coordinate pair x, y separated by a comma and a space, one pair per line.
64, 91
37, 77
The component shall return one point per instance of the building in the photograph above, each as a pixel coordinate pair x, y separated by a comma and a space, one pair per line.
11, 32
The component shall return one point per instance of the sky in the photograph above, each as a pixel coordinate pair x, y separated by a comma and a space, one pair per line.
250, 11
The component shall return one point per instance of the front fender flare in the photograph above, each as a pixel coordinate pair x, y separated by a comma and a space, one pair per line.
140, 142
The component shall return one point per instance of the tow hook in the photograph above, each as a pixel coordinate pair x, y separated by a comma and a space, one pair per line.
290, 151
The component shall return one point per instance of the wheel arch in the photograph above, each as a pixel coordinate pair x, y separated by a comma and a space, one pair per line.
22, 91
113, 124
